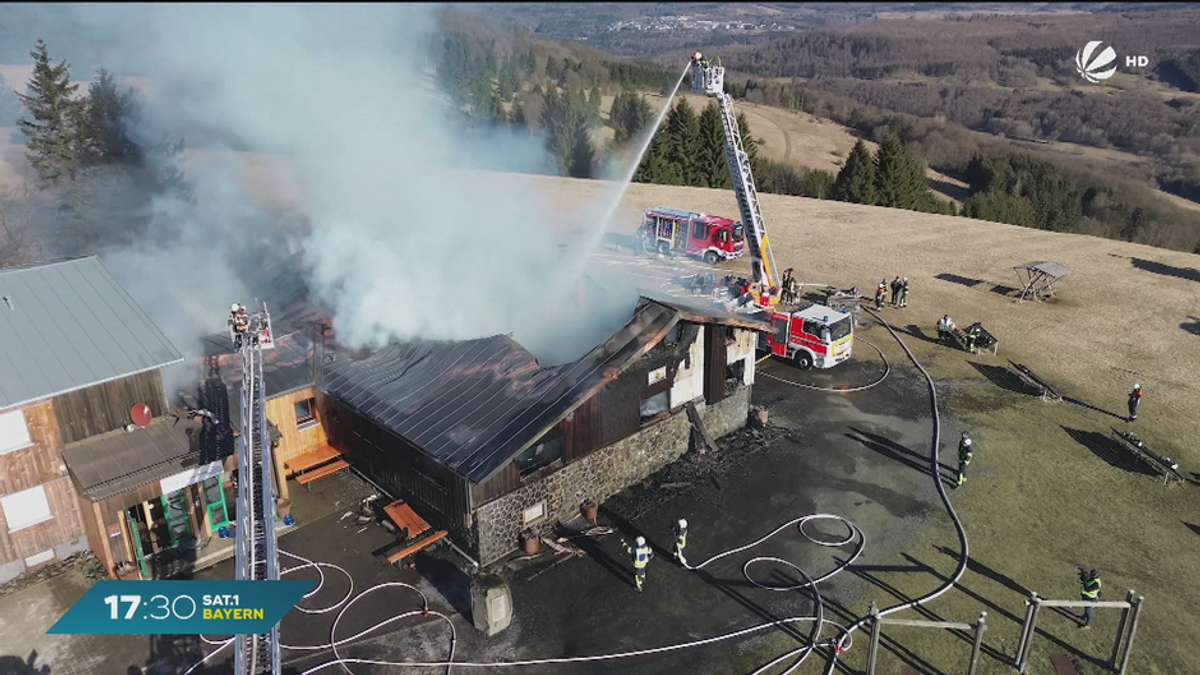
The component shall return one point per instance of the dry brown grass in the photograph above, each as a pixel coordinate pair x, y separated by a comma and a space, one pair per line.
1038, 501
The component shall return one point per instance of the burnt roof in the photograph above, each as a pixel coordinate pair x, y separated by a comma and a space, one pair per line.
474, 405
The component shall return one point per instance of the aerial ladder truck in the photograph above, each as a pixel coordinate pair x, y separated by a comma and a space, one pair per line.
256, 556
806, 333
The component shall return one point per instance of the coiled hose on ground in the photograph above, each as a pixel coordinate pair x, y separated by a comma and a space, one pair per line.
836, 645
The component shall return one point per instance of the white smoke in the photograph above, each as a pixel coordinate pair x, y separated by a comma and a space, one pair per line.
402, 242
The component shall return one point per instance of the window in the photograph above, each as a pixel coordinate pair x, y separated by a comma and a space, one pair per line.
656, 405
306, 412
542, 454
533, 514
781, 330
700, 230
14, 434
26, 508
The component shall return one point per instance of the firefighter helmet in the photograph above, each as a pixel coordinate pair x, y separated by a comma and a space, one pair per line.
640, 541
682, 524
234, 307
1136, 387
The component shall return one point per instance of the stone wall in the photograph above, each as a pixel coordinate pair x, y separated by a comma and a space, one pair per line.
598, 476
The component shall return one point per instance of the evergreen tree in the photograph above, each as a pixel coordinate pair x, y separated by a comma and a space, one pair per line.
583, 152
713, 170
107, 117
629, 116
508, 82
683, 128
856, 181
899, 177
594, 101
655, 167
53, 133
516, 118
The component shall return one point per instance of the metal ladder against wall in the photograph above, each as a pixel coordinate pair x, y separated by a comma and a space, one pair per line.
256, 555
747, 195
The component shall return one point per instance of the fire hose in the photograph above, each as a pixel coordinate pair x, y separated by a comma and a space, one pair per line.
836, 645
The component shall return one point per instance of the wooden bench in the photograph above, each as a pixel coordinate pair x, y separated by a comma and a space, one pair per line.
310, 476
1062, 665
411, 526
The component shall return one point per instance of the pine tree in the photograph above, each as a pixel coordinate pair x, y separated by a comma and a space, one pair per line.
516, 118
655, 167
629, 115
53, 133
856, 181
713, 169
594, 101
684, 129
899, 177
508, 82
583, 152
107, 116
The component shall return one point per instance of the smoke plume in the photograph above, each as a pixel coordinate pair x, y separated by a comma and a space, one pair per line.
402, 241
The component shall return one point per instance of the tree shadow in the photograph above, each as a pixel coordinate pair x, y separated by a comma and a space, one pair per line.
1194, 528
1004, 378
956, 192
1192, 325
1188, 273
995, 610
1110, 451
893, 450
15, 665
960, 280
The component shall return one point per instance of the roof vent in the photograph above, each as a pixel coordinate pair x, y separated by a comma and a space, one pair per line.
8, 301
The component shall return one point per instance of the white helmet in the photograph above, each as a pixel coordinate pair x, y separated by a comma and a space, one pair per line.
641, 541
967, 440
682, 524
1137, 386
234, 307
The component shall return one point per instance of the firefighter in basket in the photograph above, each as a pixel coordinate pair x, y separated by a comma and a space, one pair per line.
239, 322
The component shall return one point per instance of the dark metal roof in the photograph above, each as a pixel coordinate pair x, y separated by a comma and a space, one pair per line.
290, 366
1047, 267
474, 405
69, 325
120, 461
701, 312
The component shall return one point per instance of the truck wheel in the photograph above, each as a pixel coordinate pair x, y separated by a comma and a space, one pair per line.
803, 360
711, 257
664, 248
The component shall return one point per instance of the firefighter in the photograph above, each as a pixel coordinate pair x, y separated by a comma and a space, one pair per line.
641, 555
238, 321
680, 541
895, 292
789, 286
945, 328
964, 458
1089, 591
904, 292
972, 336
1135, 399
880, 294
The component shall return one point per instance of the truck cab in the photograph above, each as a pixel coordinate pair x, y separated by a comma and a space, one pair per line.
809, 335
711, 238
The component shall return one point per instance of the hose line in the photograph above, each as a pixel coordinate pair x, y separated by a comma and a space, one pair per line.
842, 641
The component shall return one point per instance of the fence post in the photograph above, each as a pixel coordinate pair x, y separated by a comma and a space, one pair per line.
1029, 603
979, 628
1137, 612
873, 648
1116, 650
1037, 607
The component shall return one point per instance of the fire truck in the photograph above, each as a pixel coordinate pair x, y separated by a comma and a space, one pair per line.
712, 238
808, 334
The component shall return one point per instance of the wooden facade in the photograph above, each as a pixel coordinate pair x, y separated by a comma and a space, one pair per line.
296, 437
39, 464
715, 357
104, 407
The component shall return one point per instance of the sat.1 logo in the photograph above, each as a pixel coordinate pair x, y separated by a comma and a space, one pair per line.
1095, 67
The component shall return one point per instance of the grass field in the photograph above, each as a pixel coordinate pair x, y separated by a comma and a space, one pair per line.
1048, 489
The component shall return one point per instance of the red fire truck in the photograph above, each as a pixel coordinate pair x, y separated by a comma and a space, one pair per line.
809, 335
712, 238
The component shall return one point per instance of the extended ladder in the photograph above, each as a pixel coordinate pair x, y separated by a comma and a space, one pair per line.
710, 79
256, 555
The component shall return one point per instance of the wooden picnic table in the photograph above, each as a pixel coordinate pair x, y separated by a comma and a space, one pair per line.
310, 459
405, 518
